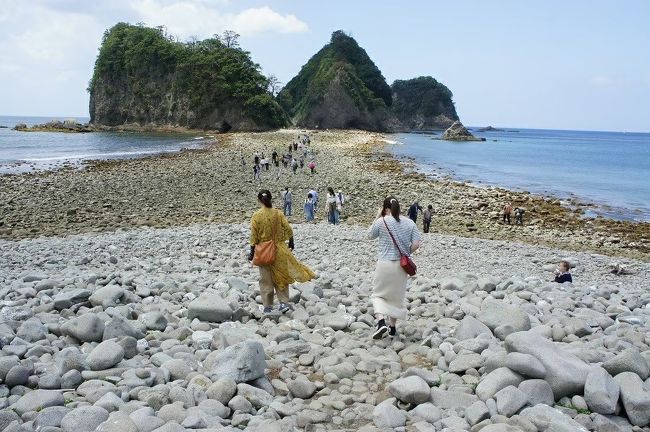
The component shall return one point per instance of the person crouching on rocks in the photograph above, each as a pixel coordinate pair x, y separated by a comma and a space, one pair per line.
270, 225
389, 283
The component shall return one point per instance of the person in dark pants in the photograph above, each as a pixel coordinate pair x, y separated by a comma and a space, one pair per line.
562, 273
519, 216
427, 215
507, 211
413, 211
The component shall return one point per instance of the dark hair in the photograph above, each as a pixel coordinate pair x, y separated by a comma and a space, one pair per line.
392, 204
566, 264
265, 198
309, 195
330, 190
429, 206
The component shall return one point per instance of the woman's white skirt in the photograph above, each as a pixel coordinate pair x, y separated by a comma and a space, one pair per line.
389, 289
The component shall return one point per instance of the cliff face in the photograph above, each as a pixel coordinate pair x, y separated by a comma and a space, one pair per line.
423, 103
339, 87
143, 77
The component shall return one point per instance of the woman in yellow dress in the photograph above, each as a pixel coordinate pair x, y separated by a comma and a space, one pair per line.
270, 224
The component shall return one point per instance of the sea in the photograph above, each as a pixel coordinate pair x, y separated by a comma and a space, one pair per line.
610, 170
22, 152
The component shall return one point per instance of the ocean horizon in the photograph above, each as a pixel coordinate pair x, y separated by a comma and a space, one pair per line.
606, 169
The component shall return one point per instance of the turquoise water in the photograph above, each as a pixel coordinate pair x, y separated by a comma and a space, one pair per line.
31, 151
609, 169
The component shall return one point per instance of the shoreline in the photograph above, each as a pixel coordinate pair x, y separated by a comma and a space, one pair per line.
188, 187
570, 201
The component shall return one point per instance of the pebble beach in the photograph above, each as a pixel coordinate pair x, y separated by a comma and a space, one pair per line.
127, 304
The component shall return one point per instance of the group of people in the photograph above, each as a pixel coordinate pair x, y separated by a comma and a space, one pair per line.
298, 156
398, 237
518, 213
334, 203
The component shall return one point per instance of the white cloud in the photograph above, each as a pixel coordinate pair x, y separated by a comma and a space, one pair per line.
264, 19
48, 47
197, 18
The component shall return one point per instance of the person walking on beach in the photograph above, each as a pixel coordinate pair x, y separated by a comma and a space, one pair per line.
268, 224
257, 172
389, 282
274, 158
312, 167
413, 211
519, 216
562, 273
427, 216
309, 207
294, 165
314, 195
507, 211
287, 201
332, 207
340, 200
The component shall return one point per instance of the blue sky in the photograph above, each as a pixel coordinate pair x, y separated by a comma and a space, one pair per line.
580, 64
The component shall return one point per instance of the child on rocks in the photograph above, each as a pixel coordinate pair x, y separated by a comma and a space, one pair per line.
562, 273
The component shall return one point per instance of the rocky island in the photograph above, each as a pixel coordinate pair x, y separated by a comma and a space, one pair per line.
458, 132
341, 87
69, 126
145, 78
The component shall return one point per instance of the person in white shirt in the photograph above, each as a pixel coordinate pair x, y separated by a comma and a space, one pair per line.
397, 236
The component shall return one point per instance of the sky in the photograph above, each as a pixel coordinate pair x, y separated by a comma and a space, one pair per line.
554, 64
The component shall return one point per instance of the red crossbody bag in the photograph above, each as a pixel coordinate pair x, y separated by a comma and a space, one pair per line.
405, 261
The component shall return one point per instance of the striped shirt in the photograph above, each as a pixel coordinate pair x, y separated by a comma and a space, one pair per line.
405, 232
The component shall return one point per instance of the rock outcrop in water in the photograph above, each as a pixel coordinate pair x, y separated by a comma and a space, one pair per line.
144, 77
423, 104
458, 132
71, 126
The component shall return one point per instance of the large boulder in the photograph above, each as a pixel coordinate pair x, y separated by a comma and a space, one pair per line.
105, 355
36, 400
503, 318
85, 328
497, 380
119, 326
387, 416
209, 307
629, 360
84, 419
565, 372
546, 418
635, 398
412, 389
469, 328
601, 391
108, 296
242, 362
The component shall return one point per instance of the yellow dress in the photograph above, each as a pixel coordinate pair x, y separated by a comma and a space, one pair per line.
286, 269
